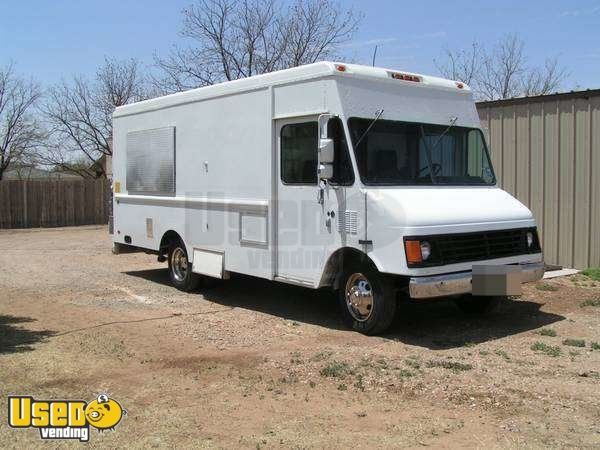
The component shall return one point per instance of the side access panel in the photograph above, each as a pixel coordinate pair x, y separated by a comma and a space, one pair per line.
208, 262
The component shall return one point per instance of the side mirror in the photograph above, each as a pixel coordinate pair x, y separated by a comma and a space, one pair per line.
325, 171
326, 151
326, 155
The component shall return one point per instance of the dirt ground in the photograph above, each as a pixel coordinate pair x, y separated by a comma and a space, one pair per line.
255, 364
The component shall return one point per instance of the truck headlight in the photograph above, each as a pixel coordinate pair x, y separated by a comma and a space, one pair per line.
425, 250
529, 239
417, 251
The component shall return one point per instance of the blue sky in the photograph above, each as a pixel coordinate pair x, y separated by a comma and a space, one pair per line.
54, 39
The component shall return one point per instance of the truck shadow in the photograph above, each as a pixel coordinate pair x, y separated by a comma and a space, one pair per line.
16, 339
277, 299
440, 325
433, 324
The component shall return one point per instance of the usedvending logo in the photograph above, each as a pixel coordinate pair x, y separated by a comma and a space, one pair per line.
64, 419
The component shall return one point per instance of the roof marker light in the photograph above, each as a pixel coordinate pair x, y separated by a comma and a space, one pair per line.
340, 67
459, 85
405, 77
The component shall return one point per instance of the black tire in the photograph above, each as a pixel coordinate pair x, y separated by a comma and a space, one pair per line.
383, 306
184, 280
475, 305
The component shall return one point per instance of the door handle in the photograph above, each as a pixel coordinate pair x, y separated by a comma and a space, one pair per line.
320, 195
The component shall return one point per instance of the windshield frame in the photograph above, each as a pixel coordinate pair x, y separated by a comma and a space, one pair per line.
434, 182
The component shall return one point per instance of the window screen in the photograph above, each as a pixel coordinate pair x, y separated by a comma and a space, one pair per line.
151, 161
299, 153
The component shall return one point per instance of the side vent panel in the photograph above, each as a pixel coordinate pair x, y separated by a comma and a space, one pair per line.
348, 222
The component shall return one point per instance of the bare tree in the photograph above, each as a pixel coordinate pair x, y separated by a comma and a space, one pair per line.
461, 65
79, 116
232, 39
501, 71
544, 80
19, 132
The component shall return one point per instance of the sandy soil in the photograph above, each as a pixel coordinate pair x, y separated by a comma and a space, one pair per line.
254, 364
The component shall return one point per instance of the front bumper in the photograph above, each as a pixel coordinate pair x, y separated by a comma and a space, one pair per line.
460, 283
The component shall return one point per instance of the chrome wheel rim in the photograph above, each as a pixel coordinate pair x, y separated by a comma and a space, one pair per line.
179, 264
359, 297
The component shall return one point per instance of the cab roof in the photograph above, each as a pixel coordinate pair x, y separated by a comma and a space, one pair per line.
293, 75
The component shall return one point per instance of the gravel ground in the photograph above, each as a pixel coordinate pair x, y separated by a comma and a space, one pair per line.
251, 363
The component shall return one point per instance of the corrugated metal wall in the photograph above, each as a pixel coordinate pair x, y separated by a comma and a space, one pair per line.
546, 152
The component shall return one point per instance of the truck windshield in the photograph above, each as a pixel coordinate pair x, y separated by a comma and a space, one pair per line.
402, 153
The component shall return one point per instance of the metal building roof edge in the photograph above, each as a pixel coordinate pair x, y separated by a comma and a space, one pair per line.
541, 98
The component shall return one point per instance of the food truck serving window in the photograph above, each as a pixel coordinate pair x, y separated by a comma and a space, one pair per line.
151, 161
402, 153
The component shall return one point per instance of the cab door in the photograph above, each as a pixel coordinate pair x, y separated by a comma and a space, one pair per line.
308, 209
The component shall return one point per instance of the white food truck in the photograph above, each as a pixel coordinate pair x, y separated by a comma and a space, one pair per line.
375, 183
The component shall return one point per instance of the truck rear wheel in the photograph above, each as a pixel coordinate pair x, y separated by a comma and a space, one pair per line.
477, 305
366, 300
180, 269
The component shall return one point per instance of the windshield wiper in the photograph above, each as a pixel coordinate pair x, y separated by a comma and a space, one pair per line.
377, 116
429, 150
452, 123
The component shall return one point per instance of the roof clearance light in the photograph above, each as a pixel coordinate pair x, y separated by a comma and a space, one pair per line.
459, 85
340, 67
405, 77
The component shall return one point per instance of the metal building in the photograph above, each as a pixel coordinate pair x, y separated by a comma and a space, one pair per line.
546, 152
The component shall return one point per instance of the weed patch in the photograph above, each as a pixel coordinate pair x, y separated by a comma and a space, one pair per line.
321, 356
591, 302
405, 373
549, 350
412, 363
360, 384
336, 369
503, 354
592, 272
574, 342
546, 287
546, 332
455, 366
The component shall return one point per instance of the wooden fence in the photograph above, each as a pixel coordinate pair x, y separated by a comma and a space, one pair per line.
53, 203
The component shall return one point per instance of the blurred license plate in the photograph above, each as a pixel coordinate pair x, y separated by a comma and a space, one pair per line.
496, 280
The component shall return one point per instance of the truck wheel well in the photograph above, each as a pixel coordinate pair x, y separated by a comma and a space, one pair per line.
337, 261
168, 238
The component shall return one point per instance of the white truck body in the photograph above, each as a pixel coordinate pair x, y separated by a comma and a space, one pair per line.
207, 165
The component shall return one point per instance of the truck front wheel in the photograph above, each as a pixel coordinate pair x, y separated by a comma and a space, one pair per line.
180, 269
366, 300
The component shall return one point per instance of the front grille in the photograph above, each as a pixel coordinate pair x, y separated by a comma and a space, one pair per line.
465, 247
